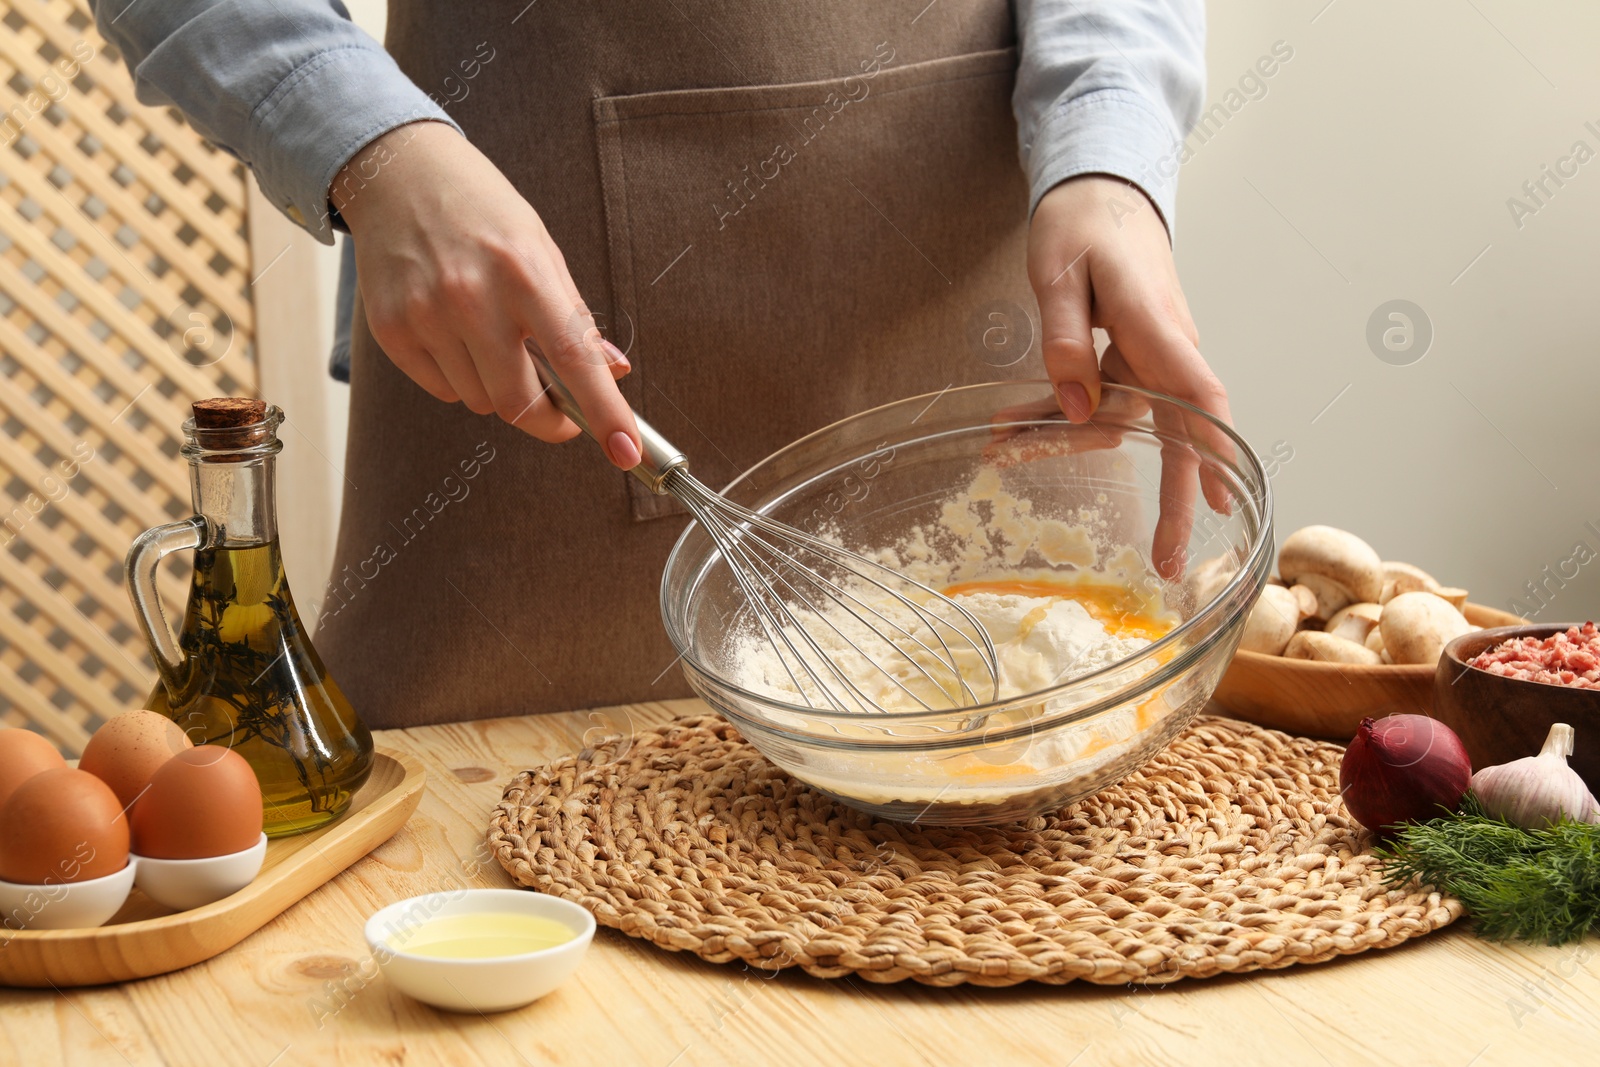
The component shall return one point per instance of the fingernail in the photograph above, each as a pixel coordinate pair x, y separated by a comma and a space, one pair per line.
1074, 401
615, 355
624, 453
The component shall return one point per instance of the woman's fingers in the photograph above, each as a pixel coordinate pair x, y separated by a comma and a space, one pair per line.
513, 387
457, 270
1061, 284
586, 363
415, 363
455, 362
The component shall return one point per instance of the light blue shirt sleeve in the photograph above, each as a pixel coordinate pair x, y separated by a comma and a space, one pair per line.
1108, 87
292, 88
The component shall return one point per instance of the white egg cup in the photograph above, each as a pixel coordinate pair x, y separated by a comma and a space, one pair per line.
66, 905
184, 884
499, 983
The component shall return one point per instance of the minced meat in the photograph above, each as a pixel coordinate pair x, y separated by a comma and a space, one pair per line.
1569, 658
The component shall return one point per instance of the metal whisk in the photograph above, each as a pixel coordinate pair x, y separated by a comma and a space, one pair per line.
802, 588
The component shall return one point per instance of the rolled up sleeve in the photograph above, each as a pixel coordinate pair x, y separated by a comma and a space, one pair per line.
292, 88
1108, 87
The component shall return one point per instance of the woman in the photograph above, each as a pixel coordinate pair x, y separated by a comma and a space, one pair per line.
778, 215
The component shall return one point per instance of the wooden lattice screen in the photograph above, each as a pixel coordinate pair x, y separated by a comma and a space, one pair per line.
124, 293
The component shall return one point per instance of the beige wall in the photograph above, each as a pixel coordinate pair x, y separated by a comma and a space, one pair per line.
1376, 165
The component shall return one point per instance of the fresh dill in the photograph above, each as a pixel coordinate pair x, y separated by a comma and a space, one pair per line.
1524, 885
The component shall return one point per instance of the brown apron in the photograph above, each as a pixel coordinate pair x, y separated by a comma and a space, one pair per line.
784, 213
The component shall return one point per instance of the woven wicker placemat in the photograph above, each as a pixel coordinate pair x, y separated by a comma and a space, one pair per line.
1230, 851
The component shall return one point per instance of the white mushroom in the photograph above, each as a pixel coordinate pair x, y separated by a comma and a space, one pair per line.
1306, 598
1336, 565
1417, 626
1211, 577
1456, 597
1273, 620
1393, 570
1326, 648
1354, 622
1374, 642
1406, 583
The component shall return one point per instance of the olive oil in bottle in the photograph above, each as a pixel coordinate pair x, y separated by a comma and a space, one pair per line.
243, 673
255, 684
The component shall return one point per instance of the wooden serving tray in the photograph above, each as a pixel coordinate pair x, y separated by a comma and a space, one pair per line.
145, 939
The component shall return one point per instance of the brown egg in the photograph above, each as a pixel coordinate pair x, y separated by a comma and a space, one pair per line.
24, 754
63, 825
128, 749
201, 803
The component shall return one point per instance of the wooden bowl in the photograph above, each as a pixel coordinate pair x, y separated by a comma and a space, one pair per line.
1501, 719
1330, 699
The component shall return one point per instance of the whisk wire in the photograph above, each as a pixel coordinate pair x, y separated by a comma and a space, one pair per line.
839, 595
776, 631
741, 535
834, 552
737, 530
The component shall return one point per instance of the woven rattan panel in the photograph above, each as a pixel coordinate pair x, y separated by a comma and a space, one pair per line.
124, 293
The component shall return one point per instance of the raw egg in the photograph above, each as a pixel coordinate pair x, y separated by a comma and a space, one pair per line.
24, 754
203, 802
63, 825
129, 749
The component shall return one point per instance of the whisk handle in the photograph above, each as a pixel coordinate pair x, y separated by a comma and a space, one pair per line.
657, 455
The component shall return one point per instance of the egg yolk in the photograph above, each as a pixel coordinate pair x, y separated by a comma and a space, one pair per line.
1115, 607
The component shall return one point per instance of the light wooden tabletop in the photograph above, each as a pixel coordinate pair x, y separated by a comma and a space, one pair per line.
303, 990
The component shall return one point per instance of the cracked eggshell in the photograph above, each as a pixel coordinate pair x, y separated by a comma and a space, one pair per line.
1326, 648
1336, 565
1417, 626
1272, 622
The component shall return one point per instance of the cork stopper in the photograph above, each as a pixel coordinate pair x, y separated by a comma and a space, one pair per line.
226, 412
235, 413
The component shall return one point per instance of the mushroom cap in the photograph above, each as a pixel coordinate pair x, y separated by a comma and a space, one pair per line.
1355, 621
1211, 577
1272, 622
1417, 626
1393, 569
1326, 648
1406, 583
1374, 641
1336, 565
1307, 600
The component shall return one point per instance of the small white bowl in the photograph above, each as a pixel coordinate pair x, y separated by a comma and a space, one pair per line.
478, 985
184, 884
66, 905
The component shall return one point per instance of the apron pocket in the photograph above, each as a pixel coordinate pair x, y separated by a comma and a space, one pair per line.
771, 246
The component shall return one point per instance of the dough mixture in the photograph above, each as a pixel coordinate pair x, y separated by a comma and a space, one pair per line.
1059, 599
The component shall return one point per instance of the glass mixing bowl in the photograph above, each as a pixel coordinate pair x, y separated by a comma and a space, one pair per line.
1154, 496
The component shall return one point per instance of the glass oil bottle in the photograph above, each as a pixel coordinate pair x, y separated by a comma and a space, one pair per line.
243, 672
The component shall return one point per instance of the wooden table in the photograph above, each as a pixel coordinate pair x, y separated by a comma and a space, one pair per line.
303, 989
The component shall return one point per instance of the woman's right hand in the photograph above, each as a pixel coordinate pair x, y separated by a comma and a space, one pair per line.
457, 270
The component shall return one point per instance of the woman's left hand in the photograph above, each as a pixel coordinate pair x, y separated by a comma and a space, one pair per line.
1098, 256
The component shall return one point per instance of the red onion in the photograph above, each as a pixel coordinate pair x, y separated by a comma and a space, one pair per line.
1403, 768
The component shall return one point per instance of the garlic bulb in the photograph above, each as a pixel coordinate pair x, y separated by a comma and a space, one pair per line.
1536, 791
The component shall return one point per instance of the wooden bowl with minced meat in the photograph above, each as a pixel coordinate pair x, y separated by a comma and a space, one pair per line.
1501, 718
